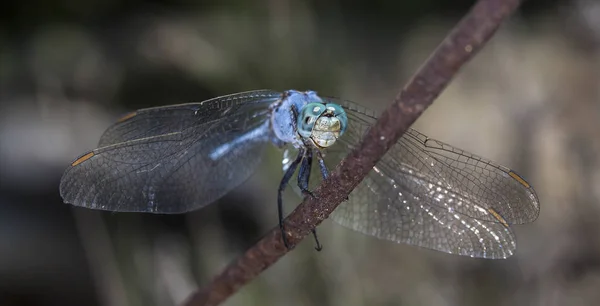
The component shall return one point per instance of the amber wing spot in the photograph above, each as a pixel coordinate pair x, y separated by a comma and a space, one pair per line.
498, 216
82, 159
519, 179
127, 117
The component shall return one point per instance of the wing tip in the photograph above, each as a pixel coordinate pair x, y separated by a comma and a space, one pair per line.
532, 194
519, 179
83, 158
127, 117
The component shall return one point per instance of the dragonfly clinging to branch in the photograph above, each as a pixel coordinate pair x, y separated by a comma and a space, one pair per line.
179, 158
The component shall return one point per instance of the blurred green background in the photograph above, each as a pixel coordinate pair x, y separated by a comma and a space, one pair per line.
530, 100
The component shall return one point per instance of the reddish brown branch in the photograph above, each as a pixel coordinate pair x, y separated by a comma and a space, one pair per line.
456, 49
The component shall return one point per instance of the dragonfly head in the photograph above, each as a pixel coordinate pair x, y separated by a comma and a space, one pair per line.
322, 123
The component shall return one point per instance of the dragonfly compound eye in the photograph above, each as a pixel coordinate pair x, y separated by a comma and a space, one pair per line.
309, 115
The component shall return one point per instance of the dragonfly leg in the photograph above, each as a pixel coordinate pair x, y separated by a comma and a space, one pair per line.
303, 178
319, 246
304, 174
324, 171
284, 181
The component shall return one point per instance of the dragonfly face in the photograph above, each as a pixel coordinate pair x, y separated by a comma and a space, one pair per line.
322, 123
178, 158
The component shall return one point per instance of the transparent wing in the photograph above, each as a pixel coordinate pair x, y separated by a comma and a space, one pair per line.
427, 193
172, 159
156, 121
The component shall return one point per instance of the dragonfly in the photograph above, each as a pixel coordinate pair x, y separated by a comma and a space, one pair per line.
423, 192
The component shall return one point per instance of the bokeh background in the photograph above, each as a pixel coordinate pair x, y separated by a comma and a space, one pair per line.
530, 100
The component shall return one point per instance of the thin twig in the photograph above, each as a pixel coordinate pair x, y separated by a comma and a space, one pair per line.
468, 37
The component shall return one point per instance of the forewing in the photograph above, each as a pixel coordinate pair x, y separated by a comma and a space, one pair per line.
427, 193
156, 121
163, 160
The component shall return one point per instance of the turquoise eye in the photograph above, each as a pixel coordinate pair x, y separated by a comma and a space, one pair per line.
308, 116
340, 114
